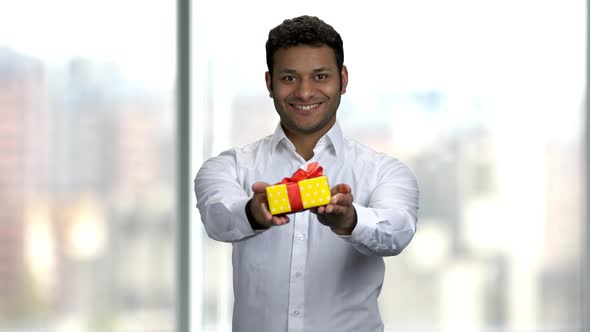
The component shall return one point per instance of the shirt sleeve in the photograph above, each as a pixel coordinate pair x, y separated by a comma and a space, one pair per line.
386, 226
221, 199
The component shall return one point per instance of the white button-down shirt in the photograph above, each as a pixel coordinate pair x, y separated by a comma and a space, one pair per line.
302, 276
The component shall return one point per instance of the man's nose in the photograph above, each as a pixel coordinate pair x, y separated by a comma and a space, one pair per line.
305, 89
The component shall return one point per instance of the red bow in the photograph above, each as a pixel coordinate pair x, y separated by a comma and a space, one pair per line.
313, 171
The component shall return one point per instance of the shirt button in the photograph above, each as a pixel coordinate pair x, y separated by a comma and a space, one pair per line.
298, 274
300, 237
296, 313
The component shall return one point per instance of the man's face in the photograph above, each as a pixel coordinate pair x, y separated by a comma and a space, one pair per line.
306, 88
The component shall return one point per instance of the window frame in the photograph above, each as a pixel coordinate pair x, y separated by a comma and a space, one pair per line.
183, 177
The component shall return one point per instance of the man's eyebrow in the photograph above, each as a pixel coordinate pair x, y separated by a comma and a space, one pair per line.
317, 70
293, 71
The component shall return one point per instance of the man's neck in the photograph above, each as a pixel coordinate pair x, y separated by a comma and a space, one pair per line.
304, 143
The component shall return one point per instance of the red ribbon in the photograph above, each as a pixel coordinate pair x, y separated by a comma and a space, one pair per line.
314, 170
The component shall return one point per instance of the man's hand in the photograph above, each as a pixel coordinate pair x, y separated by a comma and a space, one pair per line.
257, 209
340, 214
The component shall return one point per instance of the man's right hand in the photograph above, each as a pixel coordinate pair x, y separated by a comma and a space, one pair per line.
258, 209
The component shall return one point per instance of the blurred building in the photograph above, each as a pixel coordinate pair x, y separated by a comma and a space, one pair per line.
87, 197
22, 96
120, 181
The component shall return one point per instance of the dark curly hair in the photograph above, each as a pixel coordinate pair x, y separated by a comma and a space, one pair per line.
303, 30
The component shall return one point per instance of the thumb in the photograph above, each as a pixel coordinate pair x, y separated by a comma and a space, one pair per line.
342, 188
259, 187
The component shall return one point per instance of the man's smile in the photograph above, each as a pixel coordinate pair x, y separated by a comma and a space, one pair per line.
305, 108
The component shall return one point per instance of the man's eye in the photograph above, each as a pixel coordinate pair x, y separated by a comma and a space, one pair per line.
321, 76
288, 78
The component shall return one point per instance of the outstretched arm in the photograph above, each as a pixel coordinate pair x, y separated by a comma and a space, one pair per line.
227, 211
387, 224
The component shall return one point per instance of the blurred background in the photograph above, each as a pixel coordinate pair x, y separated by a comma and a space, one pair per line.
87, 166
484, 100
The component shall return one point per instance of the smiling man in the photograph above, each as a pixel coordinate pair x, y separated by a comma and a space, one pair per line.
320, 269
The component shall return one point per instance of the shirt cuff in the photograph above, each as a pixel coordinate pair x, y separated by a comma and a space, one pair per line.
240, 220
366, 224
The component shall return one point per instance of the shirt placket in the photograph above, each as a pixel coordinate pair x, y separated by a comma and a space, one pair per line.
297, 273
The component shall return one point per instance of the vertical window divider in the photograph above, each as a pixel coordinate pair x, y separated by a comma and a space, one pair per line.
183, 175
585, 305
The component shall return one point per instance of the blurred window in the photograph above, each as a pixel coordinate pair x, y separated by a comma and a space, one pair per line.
87, 166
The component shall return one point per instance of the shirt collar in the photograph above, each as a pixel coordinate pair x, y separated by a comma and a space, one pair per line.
278, 136
333, 136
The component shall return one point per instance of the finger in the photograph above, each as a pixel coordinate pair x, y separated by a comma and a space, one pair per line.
321, 209
280, 220
341, 188
337, 210
260, 198
265, 212
276, 221
329, 209
342, 199
259, 187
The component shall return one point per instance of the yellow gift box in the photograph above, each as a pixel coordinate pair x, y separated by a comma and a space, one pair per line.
305, 189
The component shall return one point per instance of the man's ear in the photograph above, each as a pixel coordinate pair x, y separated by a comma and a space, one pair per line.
268, 80
344, 81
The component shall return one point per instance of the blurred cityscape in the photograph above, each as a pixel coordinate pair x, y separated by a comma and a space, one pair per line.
86, 199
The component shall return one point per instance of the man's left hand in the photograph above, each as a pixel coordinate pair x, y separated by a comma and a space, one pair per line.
340, 214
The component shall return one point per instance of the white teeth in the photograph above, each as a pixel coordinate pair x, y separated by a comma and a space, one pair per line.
306, 107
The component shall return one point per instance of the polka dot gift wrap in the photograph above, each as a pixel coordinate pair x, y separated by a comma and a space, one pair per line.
303, 190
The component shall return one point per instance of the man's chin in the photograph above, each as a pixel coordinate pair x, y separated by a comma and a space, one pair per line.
308, 129
303, 127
